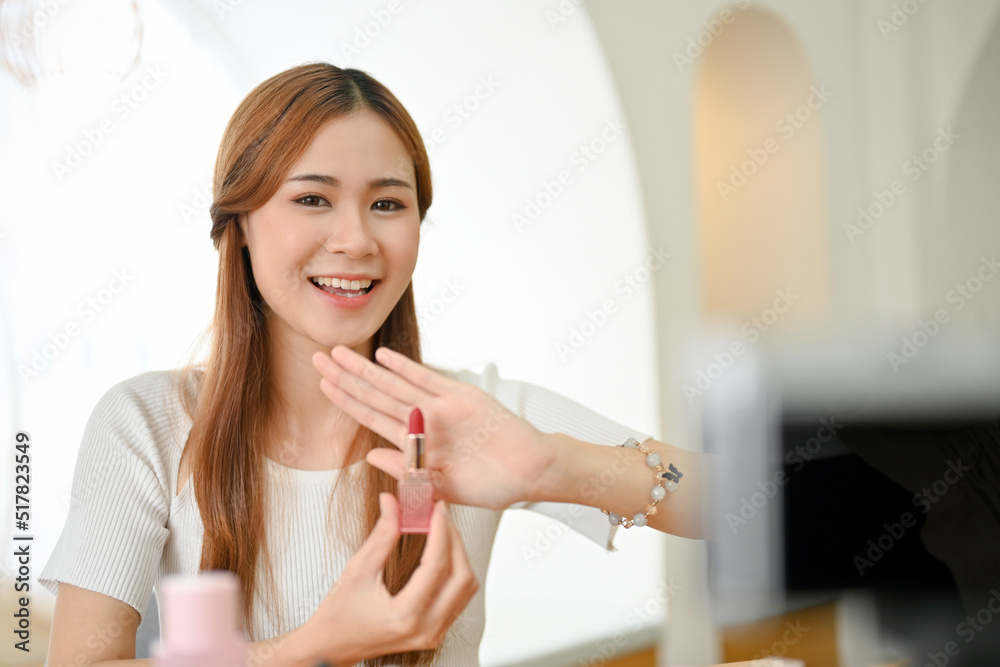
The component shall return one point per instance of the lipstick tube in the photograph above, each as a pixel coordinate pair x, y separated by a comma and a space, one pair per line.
415, 491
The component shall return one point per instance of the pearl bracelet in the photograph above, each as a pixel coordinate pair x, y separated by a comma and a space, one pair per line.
659, 491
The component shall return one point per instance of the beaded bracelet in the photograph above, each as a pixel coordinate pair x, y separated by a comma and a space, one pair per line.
659, 492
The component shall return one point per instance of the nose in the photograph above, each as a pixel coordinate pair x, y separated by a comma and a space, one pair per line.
350, 233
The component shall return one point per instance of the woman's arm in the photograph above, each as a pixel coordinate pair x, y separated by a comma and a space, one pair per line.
482, 454
618, 479
90, 629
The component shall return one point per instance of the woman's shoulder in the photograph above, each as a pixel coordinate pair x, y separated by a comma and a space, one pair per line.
134, 430
153, 398
152, 387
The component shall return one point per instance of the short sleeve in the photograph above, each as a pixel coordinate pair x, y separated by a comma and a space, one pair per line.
113, 538
550, 412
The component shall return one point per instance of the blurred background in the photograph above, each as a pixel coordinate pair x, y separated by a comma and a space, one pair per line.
628, 197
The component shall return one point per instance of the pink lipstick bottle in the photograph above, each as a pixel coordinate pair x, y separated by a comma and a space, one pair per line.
200, 625
416, 493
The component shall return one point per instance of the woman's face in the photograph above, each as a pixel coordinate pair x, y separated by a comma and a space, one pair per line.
334, 249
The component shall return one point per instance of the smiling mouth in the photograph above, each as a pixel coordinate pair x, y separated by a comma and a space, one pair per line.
346, 288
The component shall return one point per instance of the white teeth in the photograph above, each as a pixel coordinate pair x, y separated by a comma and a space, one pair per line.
343, 284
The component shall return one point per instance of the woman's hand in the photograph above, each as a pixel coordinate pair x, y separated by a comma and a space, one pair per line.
360, 619
478, 452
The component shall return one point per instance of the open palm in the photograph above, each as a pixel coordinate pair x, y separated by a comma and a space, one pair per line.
479, 453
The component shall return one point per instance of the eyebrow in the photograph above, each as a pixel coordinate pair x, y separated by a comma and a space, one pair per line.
373, 184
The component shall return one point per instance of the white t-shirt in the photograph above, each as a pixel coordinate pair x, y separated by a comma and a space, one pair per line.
127, 527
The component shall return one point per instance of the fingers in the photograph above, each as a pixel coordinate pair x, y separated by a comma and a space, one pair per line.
369, 561
444, 582
389, 428
357, 384
460, 587
435, 563
374, 375
417, 374
387, 460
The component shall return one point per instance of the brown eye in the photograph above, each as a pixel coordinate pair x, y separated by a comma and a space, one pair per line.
393, 205
311, 200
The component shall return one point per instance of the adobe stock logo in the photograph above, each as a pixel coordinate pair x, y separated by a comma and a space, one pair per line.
121, 109
796, 459
786, 126
586, 153
595, 320
899, 17
924, 500
606, 651
88, 310
752, 329
562, 12
913, 168
461, 111
363, 37
927, 329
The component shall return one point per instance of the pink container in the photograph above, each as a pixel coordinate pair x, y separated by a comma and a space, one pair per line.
200, 624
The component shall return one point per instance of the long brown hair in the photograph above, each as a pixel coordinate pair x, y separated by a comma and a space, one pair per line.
237, 407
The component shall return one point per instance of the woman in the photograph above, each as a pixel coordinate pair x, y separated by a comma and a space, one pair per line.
256, 463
